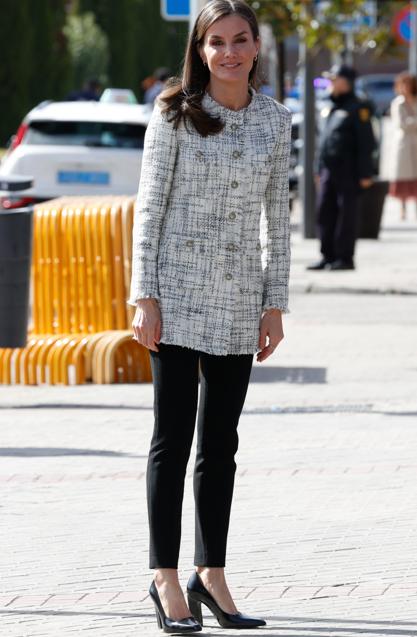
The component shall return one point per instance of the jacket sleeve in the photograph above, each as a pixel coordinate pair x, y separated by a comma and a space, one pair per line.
275, 231
157, 171
365, 141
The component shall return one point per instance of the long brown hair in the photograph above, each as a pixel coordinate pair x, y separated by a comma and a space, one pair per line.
182, 96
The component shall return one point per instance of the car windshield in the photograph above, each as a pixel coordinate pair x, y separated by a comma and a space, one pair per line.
95, 134
379, 85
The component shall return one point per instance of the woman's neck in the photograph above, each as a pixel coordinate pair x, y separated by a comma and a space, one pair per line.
230, 96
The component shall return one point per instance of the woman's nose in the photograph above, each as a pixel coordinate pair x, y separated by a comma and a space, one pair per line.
229, 49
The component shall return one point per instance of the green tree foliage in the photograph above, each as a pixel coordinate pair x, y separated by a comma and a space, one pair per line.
14, 67
116, 20
35, 64
139, 39
50, 63
160, 42
88, 47
288, 17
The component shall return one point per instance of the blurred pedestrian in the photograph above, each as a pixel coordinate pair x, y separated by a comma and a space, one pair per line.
155, 84
402, 145
345, 166
90, 91
216, 159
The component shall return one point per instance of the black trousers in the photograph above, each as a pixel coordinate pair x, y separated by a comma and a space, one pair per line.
337, 215
223, 385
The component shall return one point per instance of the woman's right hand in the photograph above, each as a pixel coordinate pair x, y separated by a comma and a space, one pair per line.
147, 323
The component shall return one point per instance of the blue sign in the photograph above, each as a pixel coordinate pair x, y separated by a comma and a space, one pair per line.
175, 9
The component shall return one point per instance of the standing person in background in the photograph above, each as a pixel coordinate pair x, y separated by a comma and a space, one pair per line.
90, 92
159, 77
215, 161
402, 145
345, 165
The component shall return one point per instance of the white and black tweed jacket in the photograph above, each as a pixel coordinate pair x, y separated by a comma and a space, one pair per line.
211, 228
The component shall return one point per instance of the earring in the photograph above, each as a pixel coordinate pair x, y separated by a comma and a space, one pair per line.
255, 58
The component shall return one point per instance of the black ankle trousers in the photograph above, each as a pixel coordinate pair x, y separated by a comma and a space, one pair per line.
223, 386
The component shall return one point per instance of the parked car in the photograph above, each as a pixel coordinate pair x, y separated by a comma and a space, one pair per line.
378, 88
293, 101
77, 148
118, 95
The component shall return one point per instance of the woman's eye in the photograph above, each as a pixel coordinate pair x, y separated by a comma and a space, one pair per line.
218, 42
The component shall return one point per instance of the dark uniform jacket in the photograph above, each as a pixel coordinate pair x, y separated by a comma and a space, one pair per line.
347, 141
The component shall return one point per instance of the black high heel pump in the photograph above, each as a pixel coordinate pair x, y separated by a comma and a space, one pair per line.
198, 594
168, 625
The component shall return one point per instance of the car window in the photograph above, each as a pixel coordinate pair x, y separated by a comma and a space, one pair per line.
379, 86
95, 134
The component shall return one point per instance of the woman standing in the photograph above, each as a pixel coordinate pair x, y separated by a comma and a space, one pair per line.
216, 156
402, 147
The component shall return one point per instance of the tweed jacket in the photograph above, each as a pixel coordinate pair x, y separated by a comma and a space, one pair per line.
211, 225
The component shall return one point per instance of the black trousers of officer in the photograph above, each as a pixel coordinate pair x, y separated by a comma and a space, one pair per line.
223, 385
337, 215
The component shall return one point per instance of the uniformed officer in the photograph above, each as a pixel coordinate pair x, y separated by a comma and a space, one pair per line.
344, 167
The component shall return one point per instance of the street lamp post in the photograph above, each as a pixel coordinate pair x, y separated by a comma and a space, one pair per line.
307, 187
412, 59
195, 8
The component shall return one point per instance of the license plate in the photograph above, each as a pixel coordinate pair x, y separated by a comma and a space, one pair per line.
83, 177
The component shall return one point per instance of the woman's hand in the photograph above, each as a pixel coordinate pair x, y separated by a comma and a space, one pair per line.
366, 183
271, 327
147, 323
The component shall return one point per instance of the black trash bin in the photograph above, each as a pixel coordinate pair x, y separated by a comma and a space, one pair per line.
15, 260
371, 204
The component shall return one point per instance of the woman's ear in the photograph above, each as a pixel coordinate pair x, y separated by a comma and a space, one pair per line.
198, 47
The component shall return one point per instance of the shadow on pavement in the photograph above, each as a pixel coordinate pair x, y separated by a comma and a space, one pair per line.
301, 375
58, 451
340, 625
64, 405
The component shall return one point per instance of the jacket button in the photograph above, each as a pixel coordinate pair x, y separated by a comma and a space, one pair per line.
228, 276
236, 154
233, 126
199, 153
232, 215
234, 184
189, 243
258, 246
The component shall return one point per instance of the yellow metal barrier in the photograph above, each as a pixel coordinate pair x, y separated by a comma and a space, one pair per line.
107, 357
80, 279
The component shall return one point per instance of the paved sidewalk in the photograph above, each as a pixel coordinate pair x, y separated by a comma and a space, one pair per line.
323, 537
385, 266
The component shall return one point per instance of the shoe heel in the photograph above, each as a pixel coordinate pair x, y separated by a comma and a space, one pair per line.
158, 618
195, 609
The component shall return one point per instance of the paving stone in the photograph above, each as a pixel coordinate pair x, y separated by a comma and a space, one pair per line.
323, 529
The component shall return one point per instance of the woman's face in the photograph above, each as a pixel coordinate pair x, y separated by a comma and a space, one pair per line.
404, 88
229, 49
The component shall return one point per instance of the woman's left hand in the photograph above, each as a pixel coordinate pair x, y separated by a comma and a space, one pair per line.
271, 327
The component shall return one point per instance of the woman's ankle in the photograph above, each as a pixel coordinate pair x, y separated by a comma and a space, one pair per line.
211, 573
162, 575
